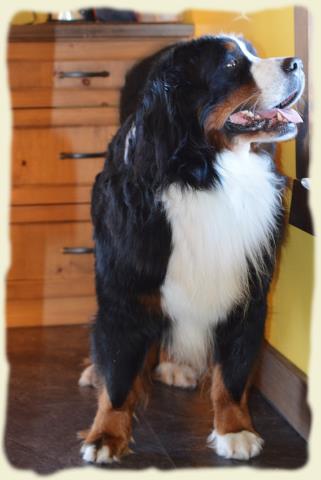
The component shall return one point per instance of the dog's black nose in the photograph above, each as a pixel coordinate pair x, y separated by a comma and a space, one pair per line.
292, 64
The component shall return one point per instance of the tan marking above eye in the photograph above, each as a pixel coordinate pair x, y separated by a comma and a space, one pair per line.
230, 46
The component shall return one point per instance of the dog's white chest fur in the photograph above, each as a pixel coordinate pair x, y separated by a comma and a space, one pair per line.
213, 234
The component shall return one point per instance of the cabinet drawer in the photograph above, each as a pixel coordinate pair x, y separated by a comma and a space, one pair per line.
59, 117
50, 311
18, 290
80, 49
44, 252
69, 74
64, 98
70, 212
49, 195
59, 156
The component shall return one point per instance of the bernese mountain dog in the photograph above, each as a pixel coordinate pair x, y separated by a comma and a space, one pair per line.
188, 216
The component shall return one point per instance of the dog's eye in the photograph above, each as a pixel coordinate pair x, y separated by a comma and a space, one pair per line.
232, 63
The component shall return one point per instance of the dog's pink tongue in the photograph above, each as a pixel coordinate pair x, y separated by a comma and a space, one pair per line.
288, 114
291, 115
244, 117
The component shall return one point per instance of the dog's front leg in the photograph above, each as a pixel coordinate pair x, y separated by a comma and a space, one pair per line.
109, 436
123, 350
237, 344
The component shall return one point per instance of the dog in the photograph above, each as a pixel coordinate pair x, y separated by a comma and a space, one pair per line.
188, 217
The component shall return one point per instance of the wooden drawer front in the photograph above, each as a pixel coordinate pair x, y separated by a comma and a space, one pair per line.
50, 311
70, 212
38, 253
74, 74
46, 98
37, 155
18, 290
58, 117
50, 194
108, 49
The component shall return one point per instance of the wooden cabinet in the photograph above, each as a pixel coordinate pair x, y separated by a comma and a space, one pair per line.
65, 83
58, 156
70, 74
48, 250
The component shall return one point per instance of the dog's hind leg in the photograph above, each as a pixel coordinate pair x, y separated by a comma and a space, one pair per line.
167, 371
175, 374
88, 377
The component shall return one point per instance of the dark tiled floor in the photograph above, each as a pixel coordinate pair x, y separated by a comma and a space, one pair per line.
46, 408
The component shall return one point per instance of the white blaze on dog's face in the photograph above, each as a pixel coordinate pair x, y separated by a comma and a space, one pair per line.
277, 78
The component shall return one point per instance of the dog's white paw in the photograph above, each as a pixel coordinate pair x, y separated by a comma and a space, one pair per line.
91, 454
176, 375
87, 377
240, 446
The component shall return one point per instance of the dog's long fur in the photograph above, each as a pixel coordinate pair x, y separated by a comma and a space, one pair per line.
187, 220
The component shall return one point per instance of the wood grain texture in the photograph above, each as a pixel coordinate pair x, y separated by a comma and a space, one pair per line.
50, 194
37, 251
302, 45
18, 290
300, 215
95, 30
50, 311
285, 386
37, 154
63, 98
82, 49
26, 74
71, 212
59, 117
55, 115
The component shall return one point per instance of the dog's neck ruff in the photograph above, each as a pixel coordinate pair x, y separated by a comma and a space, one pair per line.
216, 234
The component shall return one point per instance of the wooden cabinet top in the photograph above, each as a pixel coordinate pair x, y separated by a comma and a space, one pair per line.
64, 31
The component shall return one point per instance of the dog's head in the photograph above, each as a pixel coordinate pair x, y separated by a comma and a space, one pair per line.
253, 95
215, 92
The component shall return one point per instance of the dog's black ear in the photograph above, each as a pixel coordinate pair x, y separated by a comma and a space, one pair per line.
170, 141
157, 125
135, 79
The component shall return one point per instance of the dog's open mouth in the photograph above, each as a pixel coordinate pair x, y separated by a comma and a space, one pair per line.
278, 118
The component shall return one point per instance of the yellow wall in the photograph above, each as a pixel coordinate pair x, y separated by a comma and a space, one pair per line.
288, 328
288, 325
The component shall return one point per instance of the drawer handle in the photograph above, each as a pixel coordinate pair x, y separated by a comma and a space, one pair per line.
77, 250
77, 156
79, 74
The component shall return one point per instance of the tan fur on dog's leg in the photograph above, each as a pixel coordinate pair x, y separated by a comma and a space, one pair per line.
233, 435
111, 432
109, 436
